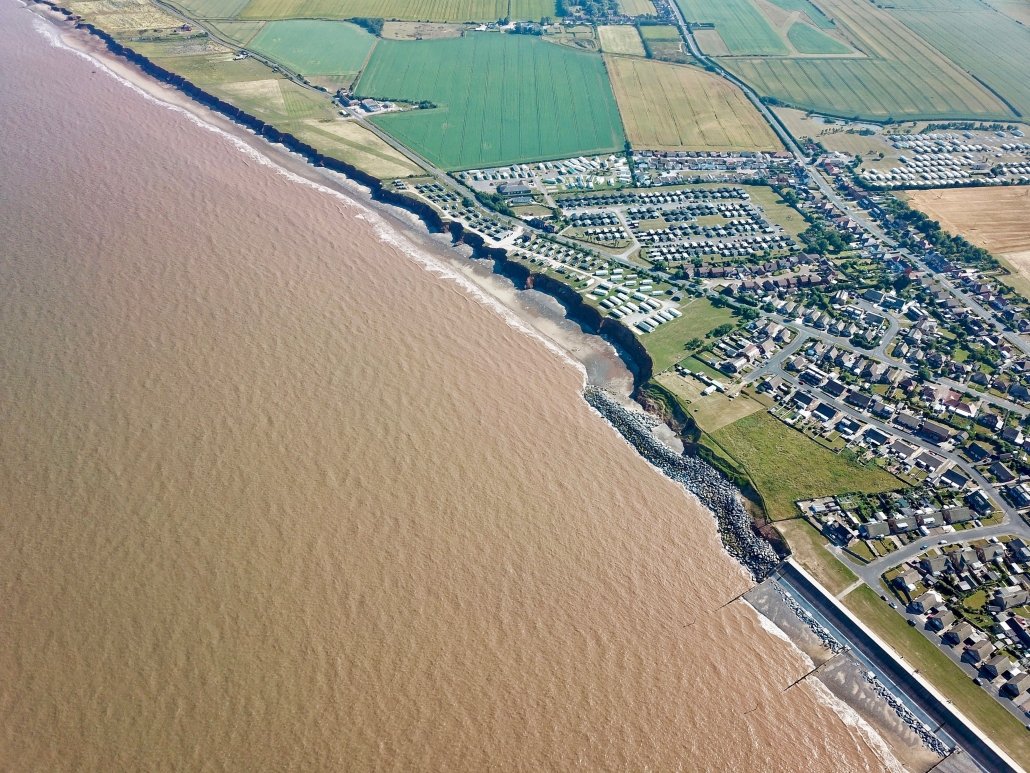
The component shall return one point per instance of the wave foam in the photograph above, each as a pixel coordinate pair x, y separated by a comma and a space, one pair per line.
386, 233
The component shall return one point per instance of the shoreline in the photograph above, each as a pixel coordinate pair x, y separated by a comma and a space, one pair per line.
633, 423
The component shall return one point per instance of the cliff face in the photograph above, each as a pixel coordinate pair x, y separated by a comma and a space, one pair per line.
621, 337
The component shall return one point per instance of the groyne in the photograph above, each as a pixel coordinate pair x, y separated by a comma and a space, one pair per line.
705, 482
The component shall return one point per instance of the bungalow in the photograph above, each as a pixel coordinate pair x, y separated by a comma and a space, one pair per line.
907, 421
1017, 685
925, 603
935, 433
935, 564
957, 514
1001, 473
979, 502
876, 438
997, 665
955, 479
825, 412
834, 388
1008, 597
858, 400
907, 581
901, 525
958, 633
940, 620
978, 652
929, 462
874, 529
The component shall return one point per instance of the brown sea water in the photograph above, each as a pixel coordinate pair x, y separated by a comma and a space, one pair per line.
275, 497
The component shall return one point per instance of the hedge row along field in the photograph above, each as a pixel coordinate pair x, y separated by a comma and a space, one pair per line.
405, 10
501, 99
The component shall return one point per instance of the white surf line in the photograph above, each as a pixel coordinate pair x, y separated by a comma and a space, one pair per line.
386, 233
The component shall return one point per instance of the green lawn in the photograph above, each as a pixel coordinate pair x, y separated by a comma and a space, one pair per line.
935, 667
666, 345
808, 40
785, 466
500, 99
739, 23
313, 47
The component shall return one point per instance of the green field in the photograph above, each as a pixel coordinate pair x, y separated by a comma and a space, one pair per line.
240, 32
739, 23
806, 39
666, 344
935, 667
211, 9
901, 76
405, 10
659, 32
868, 89
991, 46
785, 465
816, 16
500, 99
312, 47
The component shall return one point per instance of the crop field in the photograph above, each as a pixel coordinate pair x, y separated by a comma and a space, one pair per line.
902, 76
211, 9
892, 72
742, 27
404, 10
620, 39
480, 84
991, 46
814, 15
806, 39
312, 47
241, 32
637, 7
676, 107
785, 465
660, 32
997, 219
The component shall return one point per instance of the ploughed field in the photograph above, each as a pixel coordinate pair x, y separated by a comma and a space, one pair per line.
499, 99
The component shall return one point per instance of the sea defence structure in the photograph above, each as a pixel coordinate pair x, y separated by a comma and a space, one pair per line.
705, 482
972, 742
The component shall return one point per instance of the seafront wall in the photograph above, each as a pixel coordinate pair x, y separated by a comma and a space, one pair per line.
938, 708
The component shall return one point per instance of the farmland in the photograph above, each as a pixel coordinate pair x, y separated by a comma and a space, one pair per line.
874, 67
785, 465
676, 107
991, 46
806, 39
405, 10
637, 7
742, 27
805, 7
664, 43
997, 219
479, 83
620, 39
312, 47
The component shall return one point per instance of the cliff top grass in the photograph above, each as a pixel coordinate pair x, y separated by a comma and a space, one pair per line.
785, 465
973, 701
667, 344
